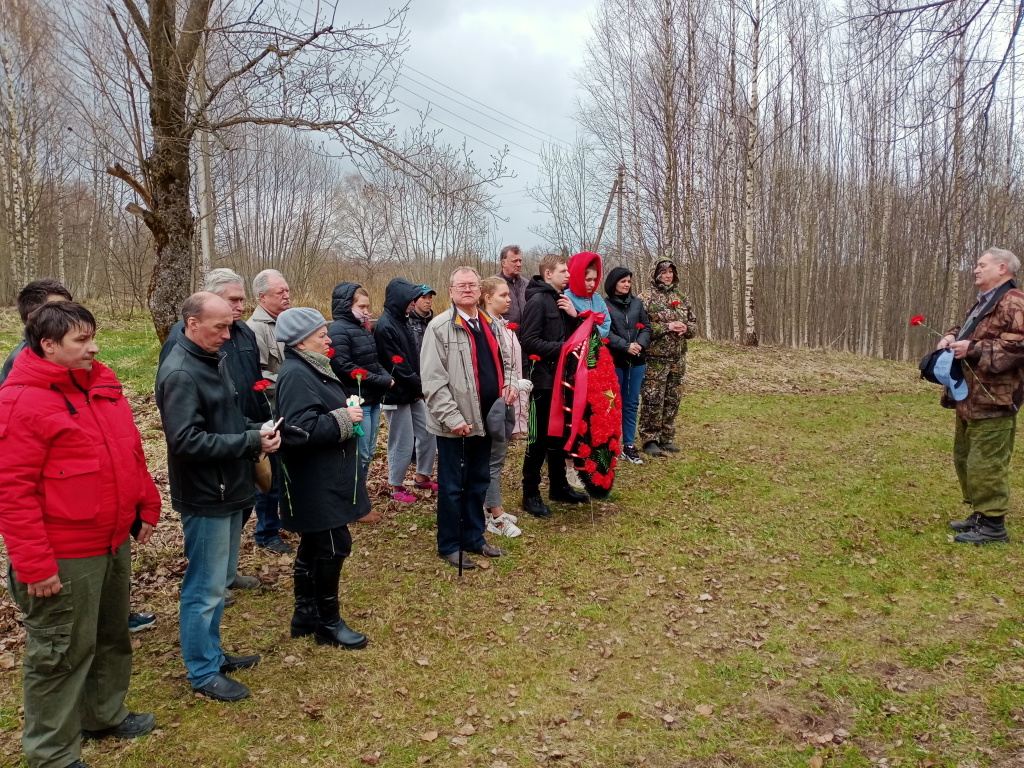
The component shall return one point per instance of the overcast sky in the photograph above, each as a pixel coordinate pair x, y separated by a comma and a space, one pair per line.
517, 57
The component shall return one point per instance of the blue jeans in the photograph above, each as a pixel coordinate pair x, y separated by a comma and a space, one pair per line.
630, 381
211, 546
463, 476
268, 523
368, 442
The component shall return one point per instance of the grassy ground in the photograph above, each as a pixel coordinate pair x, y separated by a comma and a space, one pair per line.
782, 593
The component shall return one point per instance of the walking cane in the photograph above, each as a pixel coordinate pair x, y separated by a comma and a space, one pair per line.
462, 475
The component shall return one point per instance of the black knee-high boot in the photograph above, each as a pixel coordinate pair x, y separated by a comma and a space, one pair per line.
304, 618
331, 629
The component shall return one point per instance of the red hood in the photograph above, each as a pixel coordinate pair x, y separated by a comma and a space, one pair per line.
578, 266
31, 370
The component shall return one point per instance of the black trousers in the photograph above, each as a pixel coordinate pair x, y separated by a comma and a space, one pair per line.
542, 448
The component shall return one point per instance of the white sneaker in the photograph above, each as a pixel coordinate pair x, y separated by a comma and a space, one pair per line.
574, 480
502, 526
503, 516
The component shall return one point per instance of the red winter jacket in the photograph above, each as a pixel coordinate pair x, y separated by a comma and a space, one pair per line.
73, 474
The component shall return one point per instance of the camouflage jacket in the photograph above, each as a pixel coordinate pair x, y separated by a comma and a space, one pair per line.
665, 304
995, 362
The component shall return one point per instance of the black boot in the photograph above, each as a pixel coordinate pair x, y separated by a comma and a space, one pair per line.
535, 506
651, 448
331, 629
968, 524
989, 531
304, 618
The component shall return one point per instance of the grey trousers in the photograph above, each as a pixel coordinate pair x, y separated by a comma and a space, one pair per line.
408, 436
78, 656
498, 452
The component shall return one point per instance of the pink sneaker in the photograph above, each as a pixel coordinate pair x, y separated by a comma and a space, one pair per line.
404, 496
426, 485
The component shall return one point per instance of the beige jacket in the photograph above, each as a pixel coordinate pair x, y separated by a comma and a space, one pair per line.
449, 378
271, 350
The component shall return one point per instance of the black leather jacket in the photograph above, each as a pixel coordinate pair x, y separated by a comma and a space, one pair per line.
211, 445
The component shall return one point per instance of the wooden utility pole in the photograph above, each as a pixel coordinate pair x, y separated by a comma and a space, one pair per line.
608, 209
619, 183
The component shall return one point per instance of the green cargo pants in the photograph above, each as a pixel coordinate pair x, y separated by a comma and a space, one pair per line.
981, 455
78, 656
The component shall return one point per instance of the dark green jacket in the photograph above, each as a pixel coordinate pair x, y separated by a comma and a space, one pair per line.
211, 445
9, 362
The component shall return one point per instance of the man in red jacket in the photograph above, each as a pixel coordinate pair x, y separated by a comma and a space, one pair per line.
74, 483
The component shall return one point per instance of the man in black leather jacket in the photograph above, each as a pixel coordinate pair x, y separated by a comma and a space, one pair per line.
211, 447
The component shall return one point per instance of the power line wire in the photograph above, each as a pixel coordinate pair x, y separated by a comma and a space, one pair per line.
476, 101
519, 126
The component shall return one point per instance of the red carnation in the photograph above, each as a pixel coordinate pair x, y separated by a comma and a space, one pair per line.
605, 341
590, 466
359, 374
583, 451
675, 303
513, 326
535, 358
330, 352
596, 478
917, 320
260, 385
397, 359
613, 445
639, 325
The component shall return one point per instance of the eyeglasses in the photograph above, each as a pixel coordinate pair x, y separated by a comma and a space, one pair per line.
466, 286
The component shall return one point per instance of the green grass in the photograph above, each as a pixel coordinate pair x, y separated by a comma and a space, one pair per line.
809, 504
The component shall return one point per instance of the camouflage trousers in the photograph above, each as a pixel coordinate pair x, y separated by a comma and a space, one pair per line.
981, 455
659, 399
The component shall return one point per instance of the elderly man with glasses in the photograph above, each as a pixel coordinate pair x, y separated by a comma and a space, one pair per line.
466, 369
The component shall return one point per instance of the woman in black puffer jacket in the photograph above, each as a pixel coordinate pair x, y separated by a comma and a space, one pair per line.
354, 348
322, 486
628, 339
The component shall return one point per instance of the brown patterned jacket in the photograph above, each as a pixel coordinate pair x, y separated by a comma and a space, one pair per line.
995, 362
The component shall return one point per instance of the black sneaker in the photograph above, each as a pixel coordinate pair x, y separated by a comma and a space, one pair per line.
630, 454
278, 545
133, 726
535, 506
140, 620
670, 447
568, 495
223, 688
990, 530
235, 663
968, 524
245, 582
651, 448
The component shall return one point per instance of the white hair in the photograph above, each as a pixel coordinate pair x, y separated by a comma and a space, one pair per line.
1003, 256
219, 279
261, 282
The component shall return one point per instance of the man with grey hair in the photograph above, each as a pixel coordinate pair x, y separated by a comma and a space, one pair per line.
512, 273
990, 342
242, 358
273, 298
211, 447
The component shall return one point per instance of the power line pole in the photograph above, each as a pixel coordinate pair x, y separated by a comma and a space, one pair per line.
608, 209
620, 184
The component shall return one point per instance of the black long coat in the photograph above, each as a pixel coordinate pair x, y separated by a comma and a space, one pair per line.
316, 475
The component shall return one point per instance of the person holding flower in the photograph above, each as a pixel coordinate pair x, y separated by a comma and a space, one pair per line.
672, 322
495, 300
991, 343
354, 347
629, 336
322, 487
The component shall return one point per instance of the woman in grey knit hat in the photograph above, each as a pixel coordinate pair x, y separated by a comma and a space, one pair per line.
323, 487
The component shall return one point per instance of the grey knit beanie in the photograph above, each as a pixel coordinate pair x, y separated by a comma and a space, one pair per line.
296, 324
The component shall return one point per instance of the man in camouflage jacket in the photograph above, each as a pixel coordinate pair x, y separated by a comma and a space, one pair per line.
672, 323
991, 344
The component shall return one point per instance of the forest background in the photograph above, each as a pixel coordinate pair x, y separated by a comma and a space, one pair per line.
820, 171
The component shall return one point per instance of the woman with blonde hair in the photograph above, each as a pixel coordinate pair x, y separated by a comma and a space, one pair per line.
495, 300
